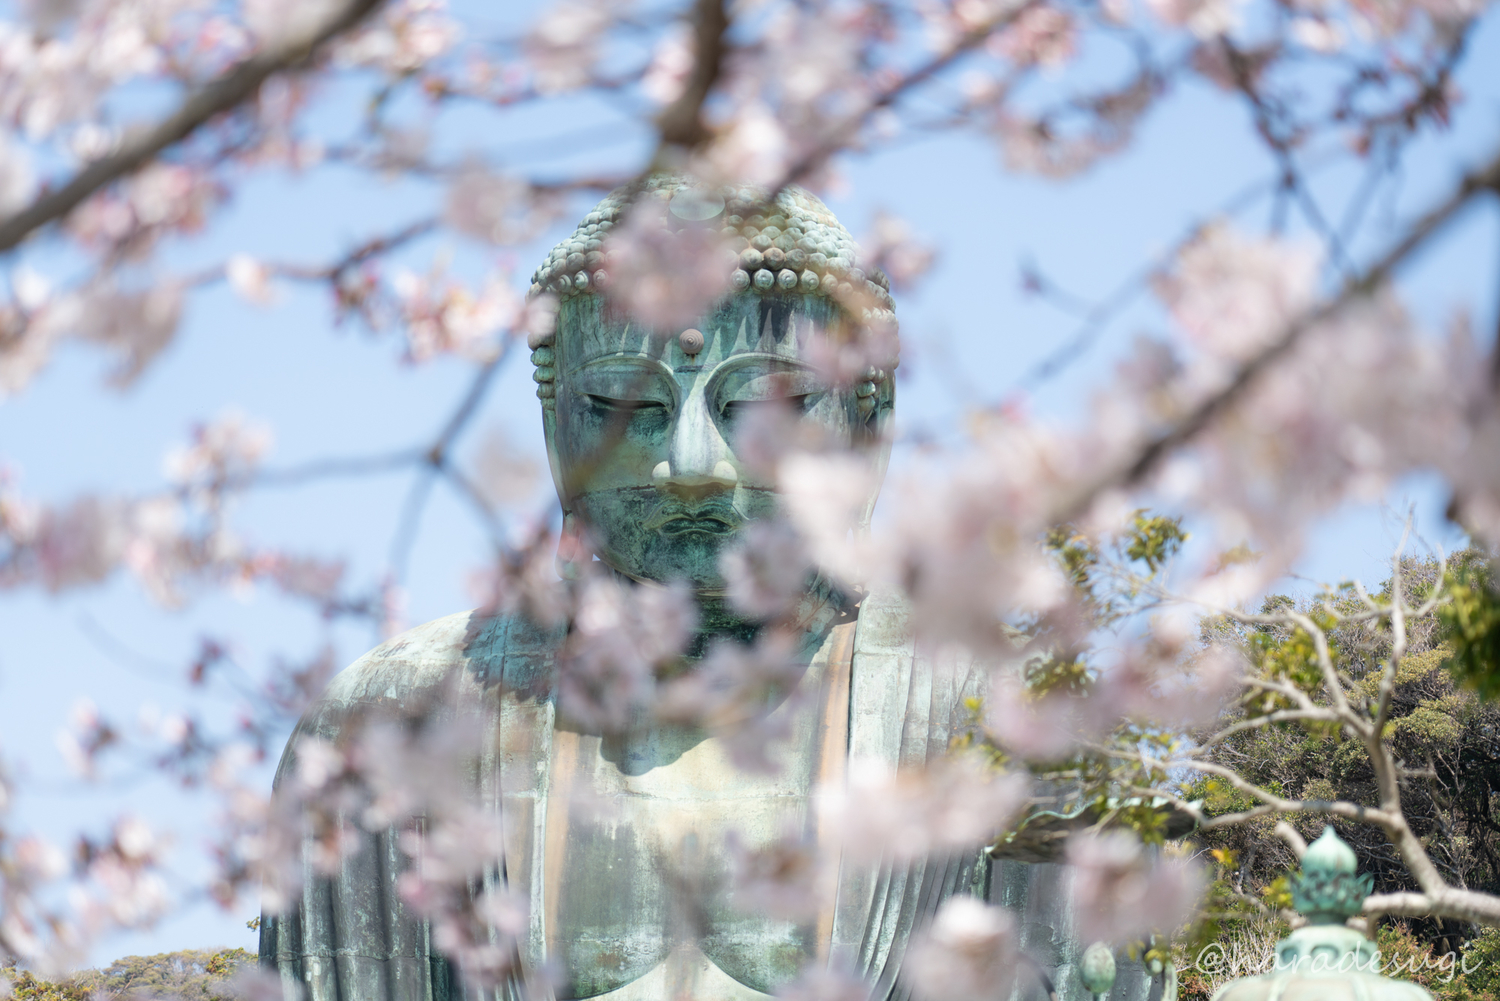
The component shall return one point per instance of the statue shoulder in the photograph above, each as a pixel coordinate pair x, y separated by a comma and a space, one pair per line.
424, 667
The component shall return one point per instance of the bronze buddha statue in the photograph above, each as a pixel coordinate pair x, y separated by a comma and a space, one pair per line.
641, 436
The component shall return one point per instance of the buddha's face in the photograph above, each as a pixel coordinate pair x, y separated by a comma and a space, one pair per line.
644, 434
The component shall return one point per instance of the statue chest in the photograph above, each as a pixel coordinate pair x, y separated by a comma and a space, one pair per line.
642, 835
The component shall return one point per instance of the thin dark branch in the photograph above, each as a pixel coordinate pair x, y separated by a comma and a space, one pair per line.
231, 89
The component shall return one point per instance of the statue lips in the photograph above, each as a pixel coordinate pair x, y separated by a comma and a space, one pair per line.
714, 517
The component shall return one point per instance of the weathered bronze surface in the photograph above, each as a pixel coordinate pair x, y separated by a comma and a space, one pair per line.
629, 903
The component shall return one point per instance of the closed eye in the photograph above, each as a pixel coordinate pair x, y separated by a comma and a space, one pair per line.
797, 405
611, 405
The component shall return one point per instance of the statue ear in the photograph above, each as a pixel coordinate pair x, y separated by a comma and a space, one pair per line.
549, 435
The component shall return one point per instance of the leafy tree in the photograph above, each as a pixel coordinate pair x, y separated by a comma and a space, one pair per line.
187, 975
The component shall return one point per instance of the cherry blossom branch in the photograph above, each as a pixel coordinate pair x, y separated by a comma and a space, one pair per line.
228, 91
840, 135
1135, 468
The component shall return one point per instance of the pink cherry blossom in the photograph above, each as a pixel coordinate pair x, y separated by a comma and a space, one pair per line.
970, 952
665, 277
1121, 892
953, 805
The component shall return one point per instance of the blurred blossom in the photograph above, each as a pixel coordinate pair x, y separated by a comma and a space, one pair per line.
1318, 34
17, 177
671, 65
1359, 401
1234, 294
539, 320
81, 543
481, 934
136, 324
751, 148
406, 37
255, 983
162, 198
955, 804
445, 316
970, 952
1121, 892
895, 249
134, 838
286, 22
318, 761
765, 434
228, 448
767, 570
1045, 728
1204, 18
606, 668
782, 879
563, 46
31, 288
1155, 681
301, 576
454, 848
665, 277
846, 360
742, 694
39, 860
249, 278
524, 582
498, 208
827, 497
504, 473
1041, 35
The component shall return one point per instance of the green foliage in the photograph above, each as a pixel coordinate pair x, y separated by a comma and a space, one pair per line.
1471, 623
1154, 540
1293, 655
1469, 975
189, 975
1441, 730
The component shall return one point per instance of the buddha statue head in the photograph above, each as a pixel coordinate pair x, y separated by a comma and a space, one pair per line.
644, 421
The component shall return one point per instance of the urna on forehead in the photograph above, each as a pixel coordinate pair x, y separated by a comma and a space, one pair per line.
793, 268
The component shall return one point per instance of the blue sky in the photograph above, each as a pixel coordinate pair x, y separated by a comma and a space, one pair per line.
969, 333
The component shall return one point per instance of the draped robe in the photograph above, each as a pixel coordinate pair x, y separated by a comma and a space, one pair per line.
351, 937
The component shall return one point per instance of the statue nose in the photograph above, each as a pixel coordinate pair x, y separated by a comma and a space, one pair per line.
698, 457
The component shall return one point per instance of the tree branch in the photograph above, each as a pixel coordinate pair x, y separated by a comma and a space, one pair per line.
681, 124
226, 92
1132, 469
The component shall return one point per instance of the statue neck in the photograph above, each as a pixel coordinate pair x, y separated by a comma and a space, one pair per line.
821, 607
